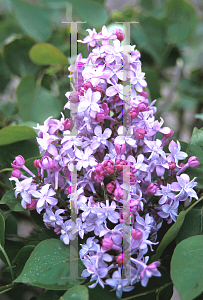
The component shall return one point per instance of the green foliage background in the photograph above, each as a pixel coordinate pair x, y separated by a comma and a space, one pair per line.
34, 60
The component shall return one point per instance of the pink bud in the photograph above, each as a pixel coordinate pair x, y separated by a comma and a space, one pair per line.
71, 189
107, 244
87, 85
152, 188
32, 205
19, 162
144, 94
37, 163
132, 112
143, 106
68, 124
167, 135
172, 165
109, 166
100, 116
110, 187
118, 194
120, 35
182, 165
120, 149
134, 205
73, 97
80, 92
99, 88
119, 165
116, 98
16, 173
140, 133
46, 162
121, 259
136, 234
193, 162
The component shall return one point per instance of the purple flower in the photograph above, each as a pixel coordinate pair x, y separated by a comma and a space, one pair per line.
88, 103
25, 188
100, 138
176, 154
119, 285
185, 187
44, 196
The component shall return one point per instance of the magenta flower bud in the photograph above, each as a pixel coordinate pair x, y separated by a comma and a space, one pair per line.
37, 163
120, 35
169, 135
107, 244
46, 162
143, 106
99, 169
119, 165
68, 124
182, 165
99, 178
32, 205
118, 194
152, 188
140, 133
134, 205
99, 88
172, 165
16, 173
132, 112
120, 149
116, 98
18, 162
73, 97
87, 85
71, 189
110, 187
144, 94
80, 92
121, 259
100, 116
109, 166
136, 234
193, 162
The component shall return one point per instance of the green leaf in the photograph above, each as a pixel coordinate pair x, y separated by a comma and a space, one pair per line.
98, 293
37, 219
49, 295
195, 148
181, 17
149, 35
22, 257
47, 54
33, 19
11, 226
186, 267
12, 134
49, 266
92, 13
16, 55
11, 201
2, 230
78, 292
193, 225
27, 149
152, 78
169, 236
35, 102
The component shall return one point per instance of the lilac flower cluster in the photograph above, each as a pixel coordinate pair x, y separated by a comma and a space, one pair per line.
125, 175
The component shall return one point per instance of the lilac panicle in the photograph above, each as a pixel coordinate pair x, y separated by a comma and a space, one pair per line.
126, 177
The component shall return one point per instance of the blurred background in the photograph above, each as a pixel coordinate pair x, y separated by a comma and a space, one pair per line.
34, 60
